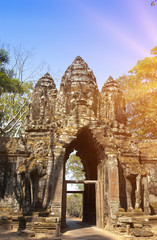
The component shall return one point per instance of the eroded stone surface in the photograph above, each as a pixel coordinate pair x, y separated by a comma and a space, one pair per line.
79, 117
142, 233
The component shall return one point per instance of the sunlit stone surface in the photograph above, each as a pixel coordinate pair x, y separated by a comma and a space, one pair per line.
121, 178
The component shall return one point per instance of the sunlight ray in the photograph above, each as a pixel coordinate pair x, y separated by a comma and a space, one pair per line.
114, 29
145, 19
140, 91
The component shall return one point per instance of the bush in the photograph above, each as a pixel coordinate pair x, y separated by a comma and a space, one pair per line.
74, 205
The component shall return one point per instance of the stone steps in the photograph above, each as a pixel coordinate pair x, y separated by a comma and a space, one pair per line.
8, 221
38, 223
139, 225
153, 220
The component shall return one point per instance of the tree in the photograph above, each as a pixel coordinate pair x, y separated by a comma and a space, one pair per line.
140, 90
13, 110
74, 171
7, 82
74, 168
74, 205
14, 95
153, 3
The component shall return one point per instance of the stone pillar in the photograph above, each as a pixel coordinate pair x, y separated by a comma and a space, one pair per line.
16, 196
57, 181
138, 191
113, 178
146, 196
63, 222
99, 188
99, 197
48, 187
35, 189
128, 194
27, 201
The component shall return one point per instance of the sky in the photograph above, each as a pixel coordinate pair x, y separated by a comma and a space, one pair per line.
111, 36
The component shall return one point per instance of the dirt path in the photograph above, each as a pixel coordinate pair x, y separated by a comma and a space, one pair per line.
76, 230
79, 231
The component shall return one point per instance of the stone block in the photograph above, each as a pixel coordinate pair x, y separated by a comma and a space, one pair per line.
52, 220
142, 233
39, 225
27, 233
125, 220
138, 225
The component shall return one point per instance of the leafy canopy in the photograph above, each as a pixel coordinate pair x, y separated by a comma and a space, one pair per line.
74, 205
14, 98
140, 90
74, 168
7, 82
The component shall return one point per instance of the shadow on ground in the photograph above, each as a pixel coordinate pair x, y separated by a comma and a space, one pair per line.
77, 230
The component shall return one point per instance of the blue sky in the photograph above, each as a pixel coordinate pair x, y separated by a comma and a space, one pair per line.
111, 36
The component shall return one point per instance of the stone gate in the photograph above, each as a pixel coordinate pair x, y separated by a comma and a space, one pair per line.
77, 117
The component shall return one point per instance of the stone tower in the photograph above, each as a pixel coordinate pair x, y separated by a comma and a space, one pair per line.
42, 107
79, 117
78, 95
112, 104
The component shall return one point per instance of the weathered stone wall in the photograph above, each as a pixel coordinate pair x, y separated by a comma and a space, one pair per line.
151, 168
149, 161
77, 117
12, 154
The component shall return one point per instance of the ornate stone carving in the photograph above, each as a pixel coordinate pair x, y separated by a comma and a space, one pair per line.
79, 117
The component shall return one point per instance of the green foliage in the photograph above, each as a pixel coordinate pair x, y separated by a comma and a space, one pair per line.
7, 82
14, 109
74, 168
14, 99
153, 51
140, 90
74, 171
74, 205
3, 58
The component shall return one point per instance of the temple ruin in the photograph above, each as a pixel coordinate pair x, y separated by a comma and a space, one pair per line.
120, 172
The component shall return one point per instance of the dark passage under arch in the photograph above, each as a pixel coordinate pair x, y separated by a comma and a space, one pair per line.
86, 150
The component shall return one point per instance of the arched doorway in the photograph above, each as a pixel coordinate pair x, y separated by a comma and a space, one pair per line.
74, 179
86, 149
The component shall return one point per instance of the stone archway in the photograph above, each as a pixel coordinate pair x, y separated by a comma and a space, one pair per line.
87, 151
80, 117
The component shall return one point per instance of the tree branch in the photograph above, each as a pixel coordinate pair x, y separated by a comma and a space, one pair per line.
12, 127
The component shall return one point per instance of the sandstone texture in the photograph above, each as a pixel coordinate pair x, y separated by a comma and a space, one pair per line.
120, 174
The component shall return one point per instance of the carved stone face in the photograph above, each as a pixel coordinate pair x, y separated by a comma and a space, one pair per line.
81, 95
80, 91
43, 102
